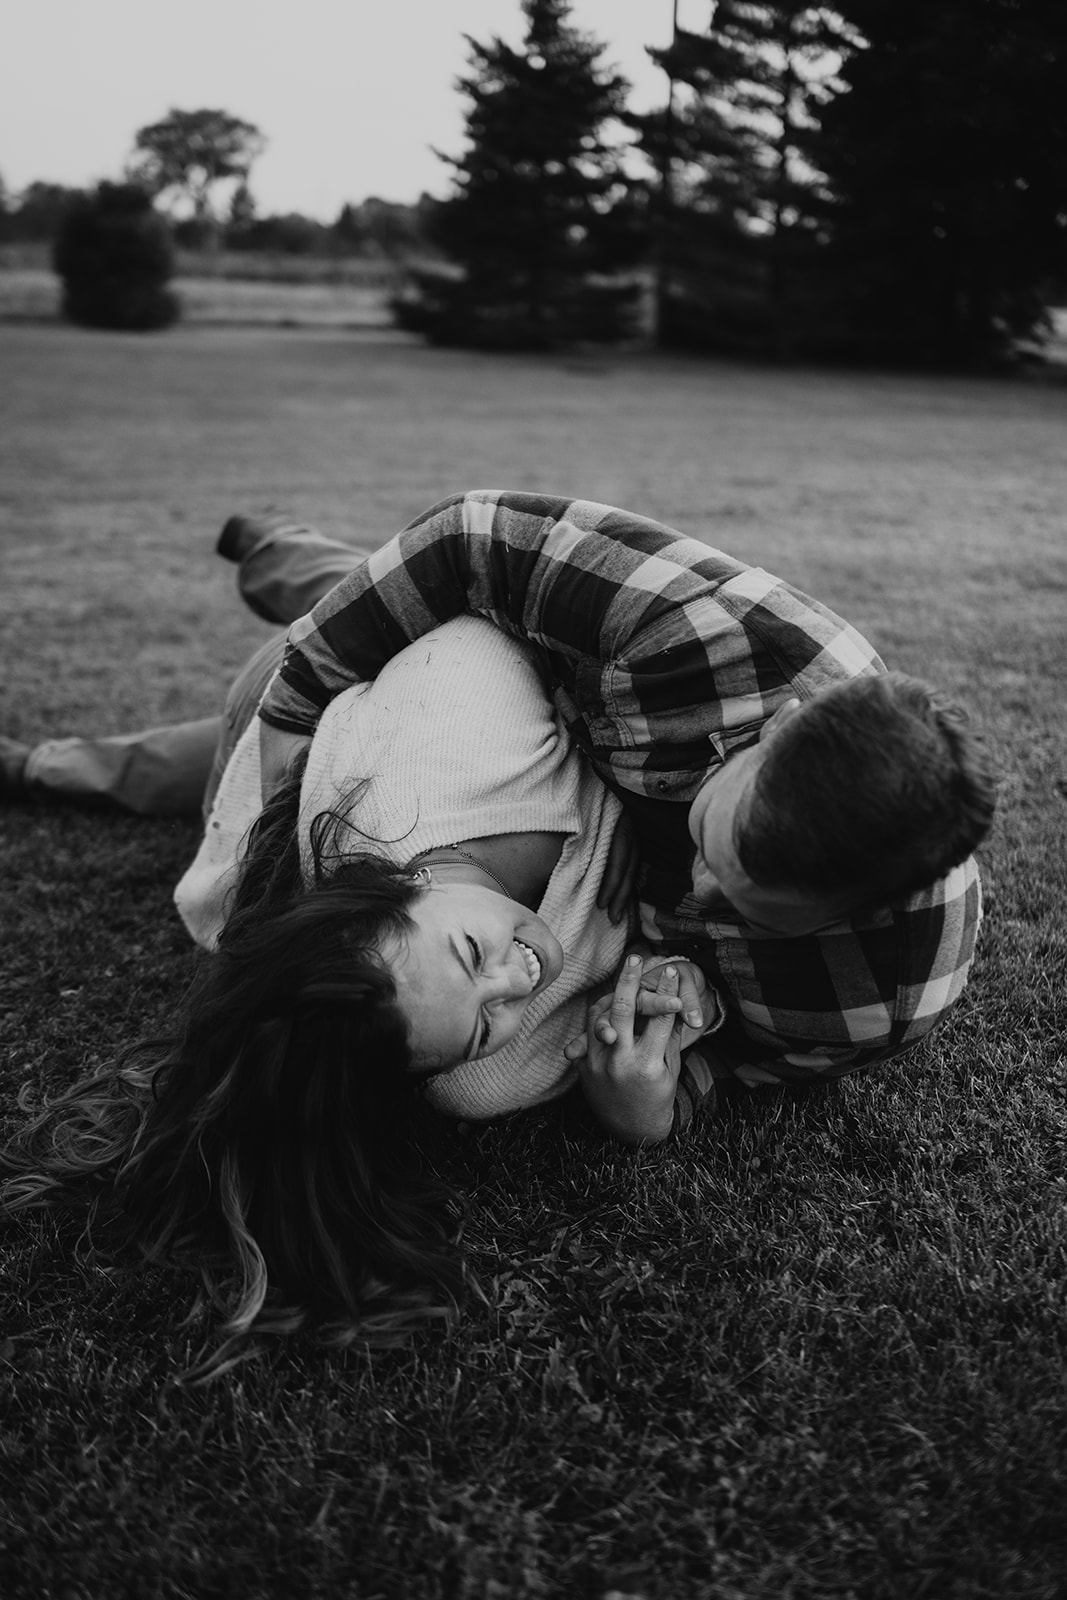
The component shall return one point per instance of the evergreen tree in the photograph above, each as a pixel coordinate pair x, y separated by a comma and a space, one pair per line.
540, 201
115, 255
947, 155
746, 201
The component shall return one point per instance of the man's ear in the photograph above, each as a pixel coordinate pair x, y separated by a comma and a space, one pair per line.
779, 719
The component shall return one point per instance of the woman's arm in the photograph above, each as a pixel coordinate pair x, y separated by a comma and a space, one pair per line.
280, 753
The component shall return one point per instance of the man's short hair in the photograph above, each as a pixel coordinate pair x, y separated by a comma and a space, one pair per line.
876, 785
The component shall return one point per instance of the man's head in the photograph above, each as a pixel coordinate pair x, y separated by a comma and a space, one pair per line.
870, 791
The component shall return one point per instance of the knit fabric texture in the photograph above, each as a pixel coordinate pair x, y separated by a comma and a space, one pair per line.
455, 739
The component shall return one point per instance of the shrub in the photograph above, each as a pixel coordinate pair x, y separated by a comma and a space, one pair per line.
440, 303
115, 255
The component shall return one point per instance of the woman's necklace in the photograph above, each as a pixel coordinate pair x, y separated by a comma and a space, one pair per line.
467, 857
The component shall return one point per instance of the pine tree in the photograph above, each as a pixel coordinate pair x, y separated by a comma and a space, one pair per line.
747, 202
947, 155
540, 201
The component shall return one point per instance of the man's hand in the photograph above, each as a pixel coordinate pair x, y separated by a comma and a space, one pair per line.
278, 750
620, 872
692, 1008
629, 1080
697, 1010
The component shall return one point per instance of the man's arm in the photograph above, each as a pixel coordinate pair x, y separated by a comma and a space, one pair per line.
584, 582
659, 650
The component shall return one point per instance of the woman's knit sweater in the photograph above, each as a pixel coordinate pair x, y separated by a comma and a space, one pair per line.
456, 739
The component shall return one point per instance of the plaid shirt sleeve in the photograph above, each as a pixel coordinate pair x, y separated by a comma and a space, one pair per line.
662, 653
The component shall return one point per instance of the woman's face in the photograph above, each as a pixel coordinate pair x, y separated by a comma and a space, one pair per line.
467, 971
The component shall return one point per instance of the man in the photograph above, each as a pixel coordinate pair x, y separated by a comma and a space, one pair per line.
805, 820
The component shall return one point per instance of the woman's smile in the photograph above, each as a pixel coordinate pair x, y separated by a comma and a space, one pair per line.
533, 963
467, 970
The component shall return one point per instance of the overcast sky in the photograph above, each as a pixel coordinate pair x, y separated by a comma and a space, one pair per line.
351, 94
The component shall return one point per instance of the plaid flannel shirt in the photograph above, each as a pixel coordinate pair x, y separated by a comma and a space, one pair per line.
664, 657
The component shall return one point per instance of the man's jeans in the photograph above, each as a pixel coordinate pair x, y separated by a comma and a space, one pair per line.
174, 770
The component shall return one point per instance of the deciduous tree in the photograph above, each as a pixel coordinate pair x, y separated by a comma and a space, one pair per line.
188, 153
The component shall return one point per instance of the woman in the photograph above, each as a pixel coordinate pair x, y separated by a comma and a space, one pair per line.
414, 919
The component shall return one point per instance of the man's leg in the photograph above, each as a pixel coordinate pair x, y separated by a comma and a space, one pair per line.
158, 772
285, 567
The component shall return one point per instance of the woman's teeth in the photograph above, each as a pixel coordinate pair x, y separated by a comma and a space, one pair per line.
533, 965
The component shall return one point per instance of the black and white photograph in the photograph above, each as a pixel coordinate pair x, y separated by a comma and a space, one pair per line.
533, 800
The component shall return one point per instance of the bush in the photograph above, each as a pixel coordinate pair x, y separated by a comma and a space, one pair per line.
447, 309
115, 255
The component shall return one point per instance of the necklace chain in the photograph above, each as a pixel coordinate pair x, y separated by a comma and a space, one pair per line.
473, 861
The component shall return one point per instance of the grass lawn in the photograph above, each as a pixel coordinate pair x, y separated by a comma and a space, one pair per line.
815, 1351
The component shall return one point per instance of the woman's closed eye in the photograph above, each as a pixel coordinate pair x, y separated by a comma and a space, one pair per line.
476, 957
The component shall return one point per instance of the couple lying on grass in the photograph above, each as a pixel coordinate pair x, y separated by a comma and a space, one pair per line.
416, 883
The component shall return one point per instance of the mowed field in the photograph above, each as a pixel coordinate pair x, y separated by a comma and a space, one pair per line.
34, 294
816, 1349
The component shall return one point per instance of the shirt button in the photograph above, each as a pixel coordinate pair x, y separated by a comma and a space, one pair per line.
662, 784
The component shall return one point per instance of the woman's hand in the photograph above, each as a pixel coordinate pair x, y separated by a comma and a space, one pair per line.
278, 750
628, 1079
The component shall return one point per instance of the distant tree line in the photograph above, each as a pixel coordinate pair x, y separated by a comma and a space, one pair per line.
181, 161
874, 180
114, 247
379, 229
382, 229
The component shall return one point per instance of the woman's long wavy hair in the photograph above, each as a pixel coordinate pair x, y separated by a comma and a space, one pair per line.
273, 1138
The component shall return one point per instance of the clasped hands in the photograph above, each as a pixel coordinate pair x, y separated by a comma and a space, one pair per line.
630, 1055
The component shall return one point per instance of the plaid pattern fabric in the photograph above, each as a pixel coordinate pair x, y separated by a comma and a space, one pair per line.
664, 657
